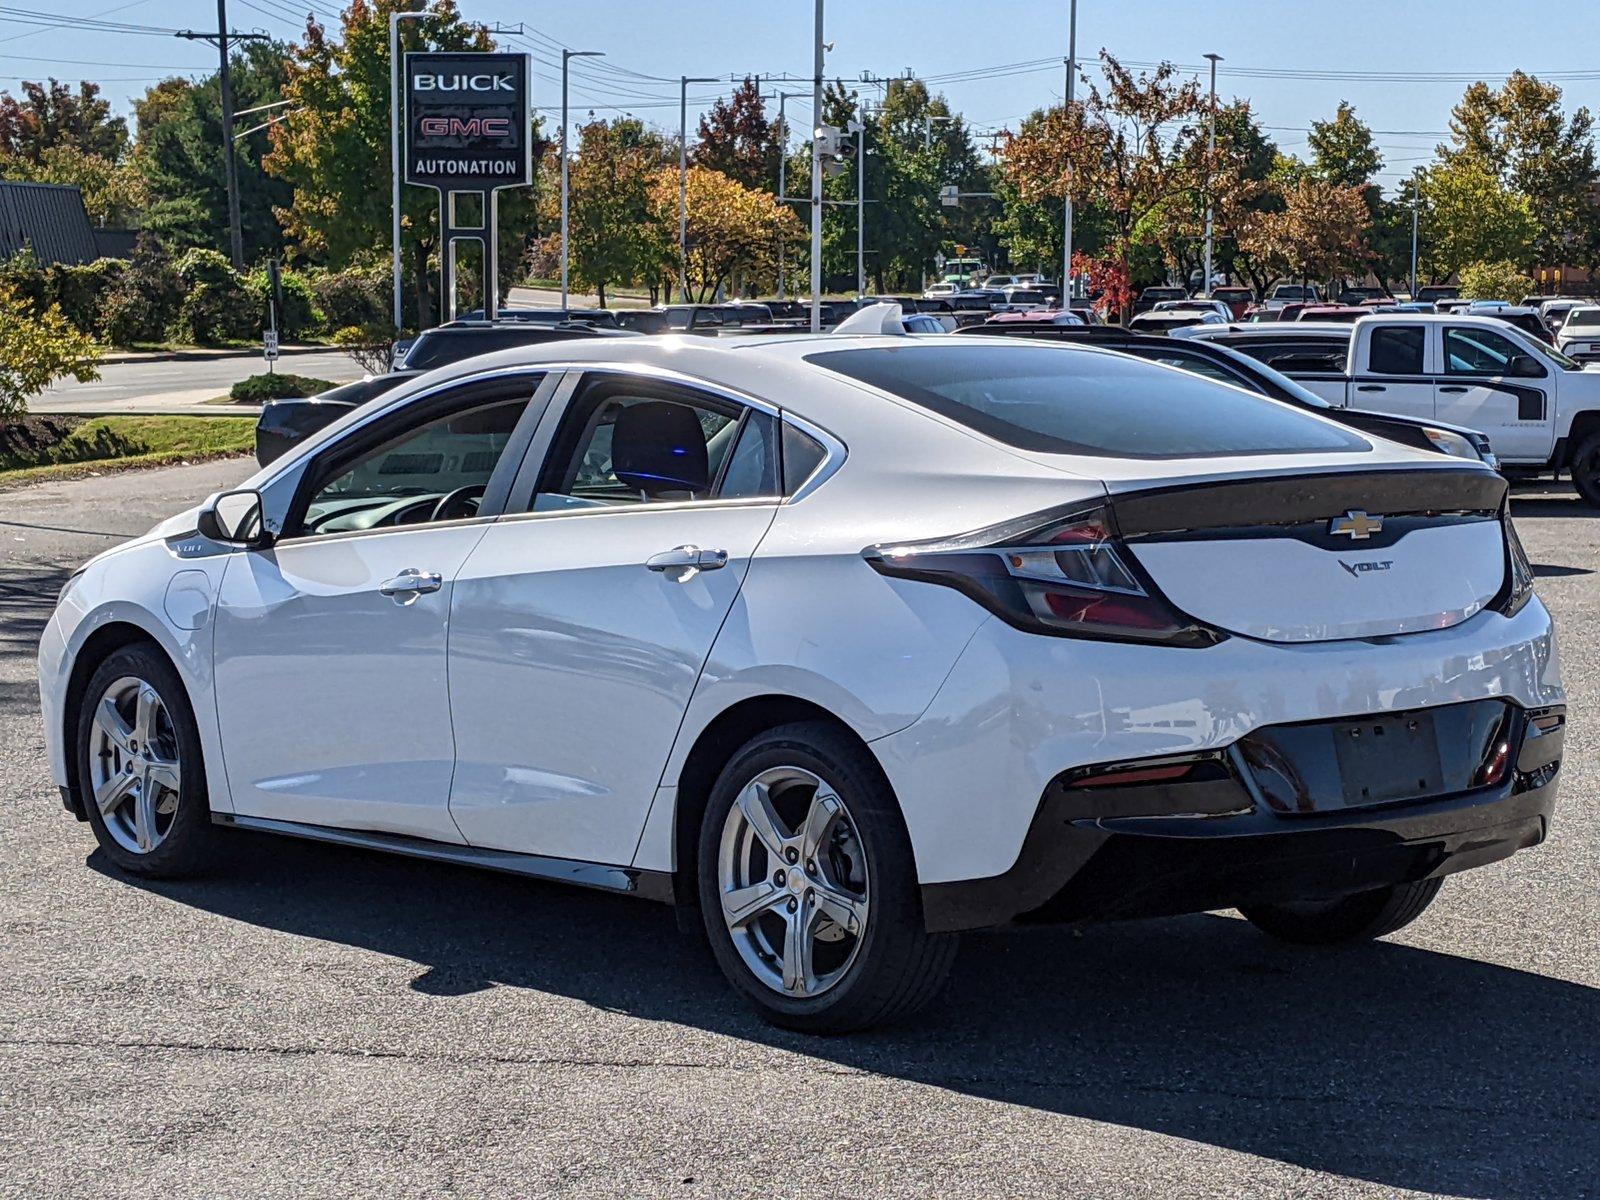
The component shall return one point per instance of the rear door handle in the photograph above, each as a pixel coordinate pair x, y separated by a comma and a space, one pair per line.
1453, 389
412, 582
1372, 387
687, 559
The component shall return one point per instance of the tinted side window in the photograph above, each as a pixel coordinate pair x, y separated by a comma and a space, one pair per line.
1477, 352
1397, 350
802, 455
626, 441
752, 468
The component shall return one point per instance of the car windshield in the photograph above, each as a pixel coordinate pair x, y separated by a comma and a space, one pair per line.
1292, 292
1024, 296
1583, 316
1063, 400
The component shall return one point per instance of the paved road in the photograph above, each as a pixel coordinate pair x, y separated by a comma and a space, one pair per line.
179, 386
317, 1021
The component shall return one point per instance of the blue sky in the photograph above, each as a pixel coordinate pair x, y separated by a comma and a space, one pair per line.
1306, 45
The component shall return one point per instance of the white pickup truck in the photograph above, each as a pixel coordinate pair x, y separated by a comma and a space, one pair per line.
1539, 408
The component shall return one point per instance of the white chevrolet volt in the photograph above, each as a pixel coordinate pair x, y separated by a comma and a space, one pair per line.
852, 643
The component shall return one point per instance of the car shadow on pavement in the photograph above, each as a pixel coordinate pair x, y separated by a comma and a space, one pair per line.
1401, 1066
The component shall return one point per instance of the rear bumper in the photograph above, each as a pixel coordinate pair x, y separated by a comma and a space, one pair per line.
1240, 849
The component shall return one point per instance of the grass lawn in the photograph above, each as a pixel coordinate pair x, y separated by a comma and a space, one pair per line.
39, 448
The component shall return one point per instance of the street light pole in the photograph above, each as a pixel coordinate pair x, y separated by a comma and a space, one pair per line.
861, 205
1066, 232
394, 148
1416, 197
683, 180
816, 175
566, 57
1211, 149
783, 161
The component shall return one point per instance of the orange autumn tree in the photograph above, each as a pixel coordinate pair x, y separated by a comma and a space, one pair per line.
733, 231
1118, 149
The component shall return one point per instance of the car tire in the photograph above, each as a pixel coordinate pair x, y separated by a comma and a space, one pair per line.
1585, 468
145, 827
831, 938
1357, 918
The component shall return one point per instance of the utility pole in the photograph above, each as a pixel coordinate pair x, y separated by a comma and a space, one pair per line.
230, 162
816, 175
566, 57
1211, 149
1066, 232
683, 180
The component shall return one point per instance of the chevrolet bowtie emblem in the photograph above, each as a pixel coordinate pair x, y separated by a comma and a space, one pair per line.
1356, 524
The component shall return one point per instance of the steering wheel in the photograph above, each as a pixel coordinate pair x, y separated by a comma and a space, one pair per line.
463, 502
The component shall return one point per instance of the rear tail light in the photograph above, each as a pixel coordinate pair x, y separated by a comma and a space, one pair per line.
1518, 589
1066, 575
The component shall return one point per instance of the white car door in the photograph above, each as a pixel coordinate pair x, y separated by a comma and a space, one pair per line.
1396, 378
579, 626
330, 644
1476, 388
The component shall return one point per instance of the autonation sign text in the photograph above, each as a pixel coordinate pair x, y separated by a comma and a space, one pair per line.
468, 121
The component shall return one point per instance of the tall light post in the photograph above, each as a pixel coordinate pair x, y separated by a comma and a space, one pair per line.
1211, 149
683, 179
566, 57
394, 145
859, 128
783, 162
1416, 199
1066, 218
816, 175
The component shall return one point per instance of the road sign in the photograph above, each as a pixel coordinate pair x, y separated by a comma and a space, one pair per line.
468, 121
270, 344
950, 196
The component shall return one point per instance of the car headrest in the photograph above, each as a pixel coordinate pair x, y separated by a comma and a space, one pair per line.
659, 447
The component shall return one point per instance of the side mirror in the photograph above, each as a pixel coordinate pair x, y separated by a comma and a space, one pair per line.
1524, 366
233, 518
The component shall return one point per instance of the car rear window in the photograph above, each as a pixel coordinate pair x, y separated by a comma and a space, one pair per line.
1065, 400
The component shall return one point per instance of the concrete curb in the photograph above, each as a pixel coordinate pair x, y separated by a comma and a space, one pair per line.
200, 355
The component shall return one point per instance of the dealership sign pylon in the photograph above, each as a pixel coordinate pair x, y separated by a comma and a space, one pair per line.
468, 133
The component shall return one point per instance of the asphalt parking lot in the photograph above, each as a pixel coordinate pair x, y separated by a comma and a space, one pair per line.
321, 1021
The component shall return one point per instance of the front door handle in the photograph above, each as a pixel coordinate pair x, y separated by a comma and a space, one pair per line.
1453, 389
412, 582
687, 560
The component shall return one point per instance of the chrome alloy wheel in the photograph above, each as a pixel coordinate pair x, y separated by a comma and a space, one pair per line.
134, 772
792, 877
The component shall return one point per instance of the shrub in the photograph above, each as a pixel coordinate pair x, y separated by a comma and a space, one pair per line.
299, 312
81, 290
1494, 281
22, 275
279, 385
216, 307
145, 300
370, 347
358, 296
37, 347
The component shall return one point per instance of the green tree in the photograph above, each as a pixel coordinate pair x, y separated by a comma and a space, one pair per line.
179, 155
616, 237
1520, 135
38, 347
1342, 150
113, 192
733, 231
1494, 281
1469, 215
52, 114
